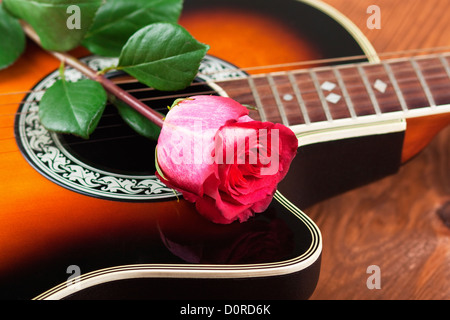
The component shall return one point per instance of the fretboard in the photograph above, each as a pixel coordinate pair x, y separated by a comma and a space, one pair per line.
402, 88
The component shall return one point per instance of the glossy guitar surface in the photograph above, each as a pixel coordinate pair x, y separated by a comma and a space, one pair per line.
94, 209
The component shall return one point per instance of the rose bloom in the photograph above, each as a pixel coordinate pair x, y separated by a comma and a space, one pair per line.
228, 164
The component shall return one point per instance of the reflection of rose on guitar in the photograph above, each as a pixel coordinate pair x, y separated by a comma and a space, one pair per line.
256, 241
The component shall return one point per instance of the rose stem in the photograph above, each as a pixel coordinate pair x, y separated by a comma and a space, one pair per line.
109, 86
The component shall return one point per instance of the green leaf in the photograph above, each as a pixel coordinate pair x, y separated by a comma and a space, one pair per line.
73, 107
118, 20
12, 42
136, 121
163, 56
60, 27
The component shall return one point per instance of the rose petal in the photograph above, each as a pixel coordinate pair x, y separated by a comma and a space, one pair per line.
187, 138
288, 143
220, 212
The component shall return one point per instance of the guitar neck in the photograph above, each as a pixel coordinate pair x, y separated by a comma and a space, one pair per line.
344, 95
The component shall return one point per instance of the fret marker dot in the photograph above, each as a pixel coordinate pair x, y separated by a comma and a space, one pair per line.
333, 98
288, 97
328, 86
380, 86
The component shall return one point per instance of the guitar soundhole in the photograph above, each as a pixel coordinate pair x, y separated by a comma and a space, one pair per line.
115, 146
116, 163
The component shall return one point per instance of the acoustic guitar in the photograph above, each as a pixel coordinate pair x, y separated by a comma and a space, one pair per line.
89, 220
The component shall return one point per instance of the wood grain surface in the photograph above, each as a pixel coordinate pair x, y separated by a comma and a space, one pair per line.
402, 223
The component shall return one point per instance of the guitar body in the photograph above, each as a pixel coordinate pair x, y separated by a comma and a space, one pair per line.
62, 242
98, 225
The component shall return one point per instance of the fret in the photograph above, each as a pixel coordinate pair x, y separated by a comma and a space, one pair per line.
267, 98
436, 77
263, 91
446, 59
333, 94
310, 96
286, 100
397, 90
321, 96
348, 101
445, 64
369, 90
258, 102
409, 85
382, 87
278, 100
423, 83
239, 90
357, 91
299, 98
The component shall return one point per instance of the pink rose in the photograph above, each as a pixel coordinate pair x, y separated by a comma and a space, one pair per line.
229, 165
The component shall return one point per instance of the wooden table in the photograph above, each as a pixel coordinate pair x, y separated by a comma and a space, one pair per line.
396, 223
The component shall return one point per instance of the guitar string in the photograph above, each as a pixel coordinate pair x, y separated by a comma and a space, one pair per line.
112, 115
326, 61
73, 143
130, 81
181, 95
96, 140
303, 63
202, 83
393, 98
